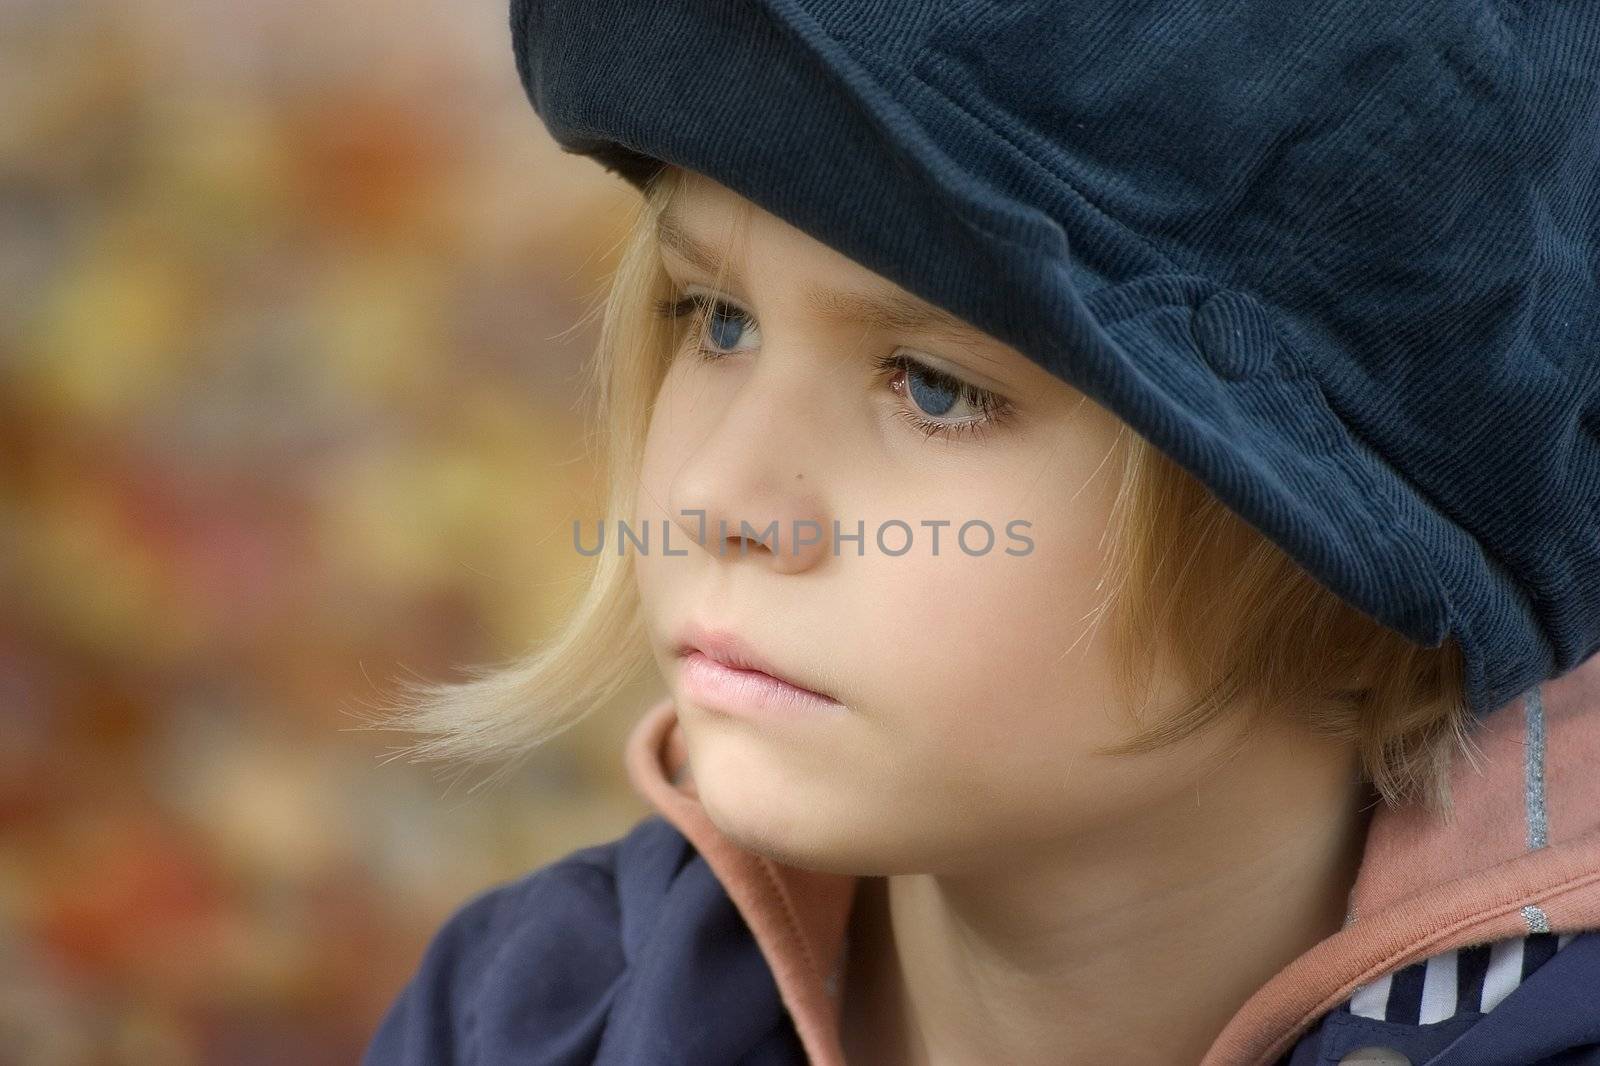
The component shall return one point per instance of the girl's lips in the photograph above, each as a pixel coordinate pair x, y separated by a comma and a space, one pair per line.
727, 649
749, 693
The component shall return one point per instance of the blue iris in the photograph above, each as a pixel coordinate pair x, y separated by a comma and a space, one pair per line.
721, 315
932, 395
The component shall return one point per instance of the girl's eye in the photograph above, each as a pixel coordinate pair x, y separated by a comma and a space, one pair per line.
930, 394
721, 321
933, 392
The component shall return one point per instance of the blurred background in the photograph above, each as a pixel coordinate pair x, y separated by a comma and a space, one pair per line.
288, 412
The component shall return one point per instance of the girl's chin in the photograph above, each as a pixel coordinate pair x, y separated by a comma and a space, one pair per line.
782, 826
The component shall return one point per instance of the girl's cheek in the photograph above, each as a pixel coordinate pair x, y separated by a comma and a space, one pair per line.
665, 449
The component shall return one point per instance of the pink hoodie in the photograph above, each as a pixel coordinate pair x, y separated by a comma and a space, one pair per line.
1523, 856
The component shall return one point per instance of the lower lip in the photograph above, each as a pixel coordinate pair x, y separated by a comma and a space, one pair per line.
747, 693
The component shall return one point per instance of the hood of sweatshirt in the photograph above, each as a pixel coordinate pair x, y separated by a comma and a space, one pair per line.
1520, 856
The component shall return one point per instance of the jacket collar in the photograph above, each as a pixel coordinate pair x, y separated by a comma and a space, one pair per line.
1521, 855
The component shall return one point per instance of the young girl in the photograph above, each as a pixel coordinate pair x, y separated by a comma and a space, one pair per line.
1089, 555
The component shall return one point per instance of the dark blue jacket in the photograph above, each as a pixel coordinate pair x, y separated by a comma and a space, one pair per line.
1468, 944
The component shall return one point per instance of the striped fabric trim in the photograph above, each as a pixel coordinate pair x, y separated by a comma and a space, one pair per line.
1478, 977
1473, 978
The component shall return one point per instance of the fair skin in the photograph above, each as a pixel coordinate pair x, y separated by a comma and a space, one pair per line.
1023, 899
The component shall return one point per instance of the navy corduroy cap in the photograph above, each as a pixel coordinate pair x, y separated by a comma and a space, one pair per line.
1339, 260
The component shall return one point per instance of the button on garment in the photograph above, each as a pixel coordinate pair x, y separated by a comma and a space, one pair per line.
1374, 1056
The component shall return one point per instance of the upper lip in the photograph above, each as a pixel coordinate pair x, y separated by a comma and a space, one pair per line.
728, 649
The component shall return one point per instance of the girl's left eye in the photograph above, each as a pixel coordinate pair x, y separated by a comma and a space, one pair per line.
930, 392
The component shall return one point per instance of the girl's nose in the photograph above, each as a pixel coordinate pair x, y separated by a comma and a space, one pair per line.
753, 489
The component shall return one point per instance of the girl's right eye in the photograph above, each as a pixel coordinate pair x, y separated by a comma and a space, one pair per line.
710, 316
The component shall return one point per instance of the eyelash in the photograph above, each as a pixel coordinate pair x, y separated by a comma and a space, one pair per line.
996, 409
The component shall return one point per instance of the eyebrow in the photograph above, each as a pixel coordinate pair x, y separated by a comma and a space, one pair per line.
879, 307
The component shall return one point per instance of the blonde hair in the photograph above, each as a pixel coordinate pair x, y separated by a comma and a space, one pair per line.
1250, 629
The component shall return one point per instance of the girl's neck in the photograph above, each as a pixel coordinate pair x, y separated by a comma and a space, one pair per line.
1154, 983
871, 1016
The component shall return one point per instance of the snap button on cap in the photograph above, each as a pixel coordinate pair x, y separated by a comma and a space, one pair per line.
1372, 1055
1234, 334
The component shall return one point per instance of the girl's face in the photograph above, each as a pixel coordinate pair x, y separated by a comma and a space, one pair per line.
973, 682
